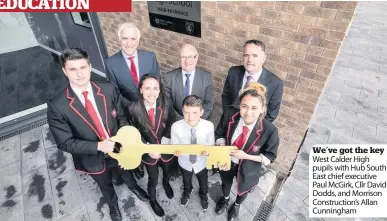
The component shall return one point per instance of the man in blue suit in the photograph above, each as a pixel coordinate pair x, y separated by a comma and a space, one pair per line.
125, 68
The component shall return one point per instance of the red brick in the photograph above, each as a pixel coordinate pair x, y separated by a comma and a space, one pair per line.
324, 43
266, 4
331, 54
340, 26
292, 78
292, 54
323, 70
336, 36
343, 16
313, 76
346, 6
271, 32
287, 44
301, 19
303, 65
260, 21
318, 60
297, 37
226, 7
317, 85
286, 7
320, 12
288, 69
282, 25
313, 31
207, 4
273, 14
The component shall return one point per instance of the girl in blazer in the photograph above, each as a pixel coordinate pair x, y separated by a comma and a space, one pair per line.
257, 141
153, 116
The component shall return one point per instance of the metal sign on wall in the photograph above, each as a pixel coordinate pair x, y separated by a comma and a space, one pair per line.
181, 17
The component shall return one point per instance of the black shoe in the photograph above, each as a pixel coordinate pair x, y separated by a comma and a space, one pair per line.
157, 209
115, 213
221, 205
233, 212
168, 190
185, 198
139, 172
140, 193
204, 202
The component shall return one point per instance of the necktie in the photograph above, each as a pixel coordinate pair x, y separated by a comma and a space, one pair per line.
248, 81
133, 70
187, 85
94, 117
240, 141
193, 158
151, 114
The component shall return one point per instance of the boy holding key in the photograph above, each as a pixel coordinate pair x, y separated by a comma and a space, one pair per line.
193, 130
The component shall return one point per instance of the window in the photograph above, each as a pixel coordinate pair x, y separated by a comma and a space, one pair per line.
81, 18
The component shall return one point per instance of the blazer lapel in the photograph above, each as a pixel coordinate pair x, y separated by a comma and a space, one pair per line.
196, 86
264, 79
254, 137
239, 80
179, 83
232, 125
141, 63
100, 101
76, 106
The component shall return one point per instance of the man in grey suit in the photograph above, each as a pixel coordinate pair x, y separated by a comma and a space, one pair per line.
125, 68
252, 71
189, 79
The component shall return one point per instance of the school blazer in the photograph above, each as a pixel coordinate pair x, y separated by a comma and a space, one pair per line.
154, 135
73, 129
263, 139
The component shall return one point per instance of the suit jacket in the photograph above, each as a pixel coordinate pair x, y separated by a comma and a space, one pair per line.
154, 135
233, 85
202, 87
263, 139
73, 129
118, 72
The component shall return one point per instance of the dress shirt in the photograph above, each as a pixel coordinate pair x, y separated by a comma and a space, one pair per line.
255, 77
135, 62
238, 131
191, 78
181, 134
90, 96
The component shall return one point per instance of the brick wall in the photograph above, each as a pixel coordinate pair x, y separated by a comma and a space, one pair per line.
302, 38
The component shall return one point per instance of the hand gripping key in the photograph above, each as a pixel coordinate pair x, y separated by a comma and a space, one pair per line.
133, 148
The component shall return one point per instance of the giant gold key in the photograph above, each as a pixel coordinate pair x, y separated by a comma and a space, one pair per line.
133, 148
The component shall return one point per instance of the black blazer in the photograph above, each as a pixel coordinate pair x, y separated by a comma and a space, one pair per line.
233, 85
154, 135
202, 87
118, 72
72, 127
263, 139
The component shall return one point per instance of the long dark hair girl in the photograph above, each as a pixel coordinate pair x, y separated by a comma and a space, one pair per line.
137, 112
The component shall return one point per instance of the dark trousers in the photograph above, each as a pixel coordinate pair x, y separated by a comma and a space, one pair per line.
104, 180
153, 176
227, 178
202, 178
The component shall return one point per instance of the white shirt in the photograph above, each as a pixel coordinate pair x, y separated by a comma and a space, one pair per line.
238, 131
181, 134
255, 77
191, 78
130, 63
90, 97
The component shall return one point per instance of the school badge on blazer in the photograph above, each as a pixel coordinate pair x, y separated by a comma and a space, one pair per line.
114, 113
163, 124
256, 148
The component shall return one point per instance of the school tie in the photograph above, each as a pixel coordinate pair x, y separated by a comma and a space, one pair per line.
193, 158
187, 84
248, 81
94, 117
240, 141
151, 114
133, 70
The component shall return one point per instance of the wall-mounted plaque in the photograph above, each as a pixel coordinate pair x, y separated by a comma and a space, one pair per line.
181, 17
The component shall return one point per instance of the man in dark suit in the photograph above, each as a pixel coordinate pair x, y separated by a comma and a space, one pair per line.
81, 119
252, 71
189, 79
125, 68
